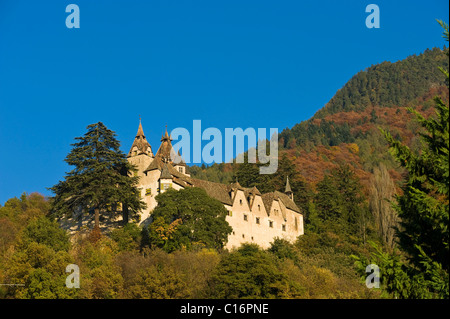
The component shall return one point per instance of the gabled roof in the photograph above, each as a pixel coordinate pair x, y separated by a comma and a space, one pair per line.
289, 203
268, 199
253, 191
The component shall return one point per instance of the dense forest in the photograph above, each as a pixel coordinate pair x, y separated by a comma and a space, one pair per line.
35, 251
369, 171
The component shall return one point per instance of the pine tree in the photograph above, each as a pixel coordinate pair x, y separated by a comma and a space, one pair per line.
102, 177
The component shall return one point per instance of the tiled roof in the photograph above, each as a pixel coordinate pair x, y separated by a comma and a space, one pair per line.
218, 191
165, 173
289, 203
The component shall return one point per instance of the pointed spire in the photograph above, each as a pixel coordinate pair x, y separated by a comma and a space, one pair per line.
288, 186
140, 143
140, 132
166, 136
288, 191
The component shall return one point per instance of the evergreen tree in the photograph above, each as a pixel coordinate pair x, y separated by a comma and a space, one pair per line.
423, 209
327, 200
101, 178
350, 198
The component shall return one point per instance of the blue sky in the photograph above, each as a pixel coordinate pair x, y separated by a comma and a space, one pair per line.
228, 63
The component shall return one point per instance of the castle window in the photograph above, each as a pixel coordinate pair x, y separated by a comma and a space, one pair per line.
230, 213
180, 169
283, 227
296, 223
148, 191
270, 224
243, 236
257, 220
259, 207
245, 217
240, 201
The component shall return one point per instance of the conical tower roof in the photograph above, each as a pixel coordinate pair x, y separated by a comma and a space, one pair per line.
141, 143
166, 152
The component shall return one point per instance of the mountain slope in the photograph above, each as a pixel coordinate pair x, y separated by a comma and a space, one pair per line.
346, 129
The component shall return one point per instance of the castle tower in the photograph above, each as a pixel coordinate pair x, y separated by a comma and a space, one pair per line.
140, 153
140, 144
165, 152
288, 191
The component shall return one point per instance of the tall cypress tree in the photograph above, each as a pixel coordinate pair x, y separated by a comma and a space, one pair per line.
102, 177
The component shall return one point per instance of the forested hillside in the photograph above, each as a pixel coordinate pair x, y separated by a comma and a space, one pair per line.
346, 129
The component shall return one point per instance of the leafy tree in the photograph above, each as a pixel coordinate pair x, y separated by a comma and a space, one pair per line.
41, 271
283, 249
158, 283
188, 217
38, 262
101, 278
47, 232
100, 178
128, 237
250, 272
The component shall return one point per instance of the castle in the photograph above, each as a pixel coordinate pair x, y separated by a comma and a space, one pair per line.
255, 217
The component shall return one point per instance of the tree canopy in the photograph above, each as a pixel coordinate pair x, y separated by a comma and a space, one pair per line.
100, 179
186, 218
